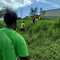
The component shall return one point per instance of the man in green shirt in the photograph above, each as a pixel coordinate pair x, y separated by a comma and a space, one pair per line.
15, 45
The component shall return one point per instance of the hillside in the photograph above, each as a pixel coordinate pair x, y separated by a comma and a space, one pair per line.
43, 39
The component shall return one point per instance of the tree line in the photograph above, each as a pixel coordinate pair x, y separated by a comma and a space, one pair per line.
34, 12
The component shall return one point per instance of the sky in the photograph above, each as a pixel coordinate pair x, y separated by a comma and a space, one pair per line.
27, 4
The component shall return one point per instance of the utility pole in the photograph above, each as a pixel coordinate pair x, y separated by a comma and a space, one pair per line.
21, 13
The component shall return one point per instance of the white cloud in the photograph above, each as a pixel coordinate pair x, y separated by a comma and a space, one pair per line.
0, 0
27, 2
0, 8
44, 1
56, 5
16, 3
3, 1
21, 3
53, 4
12, 0
50, 3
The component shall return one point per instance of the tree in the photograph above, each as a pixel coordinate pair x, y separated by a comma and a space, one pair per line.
33, 11
42, 12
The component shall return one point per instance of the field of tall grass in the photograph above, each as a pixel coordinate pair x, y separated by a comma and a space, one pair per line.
43, 38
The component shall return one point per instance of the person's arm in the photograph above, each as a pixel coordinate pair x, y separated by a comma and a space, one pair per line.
22, 48
24, 58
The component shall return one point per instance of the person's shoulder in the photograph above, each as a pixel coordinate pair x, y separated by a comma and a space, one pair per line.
16, 33
1, 31
3, 35
18, 36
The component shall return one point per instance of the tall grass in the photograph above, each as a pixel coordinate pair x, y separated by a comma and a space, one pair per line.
44, 41
43, 38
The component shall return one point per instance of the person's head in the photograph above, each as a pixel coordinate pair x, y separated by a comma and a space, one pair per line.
10, 19
23, 22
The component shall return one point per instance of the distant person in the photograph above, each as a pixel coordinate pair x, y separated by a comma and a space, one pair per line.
12, 44
23, 26
34, 20
37, 18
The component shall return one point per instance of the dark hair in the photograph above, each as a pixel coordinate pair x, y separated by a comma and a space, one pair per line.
23, 22
10, 17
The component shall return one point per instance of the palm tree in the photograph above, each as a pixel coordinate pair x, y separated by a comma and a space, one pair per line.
33, 11
42, 13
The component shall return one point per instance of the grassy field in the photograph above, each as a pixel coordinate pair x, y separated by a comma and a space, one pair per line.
43, 38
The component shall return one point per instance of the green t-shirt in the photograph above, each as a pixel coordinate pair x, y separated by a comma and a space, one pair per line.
23, 25
17, 41
7, 51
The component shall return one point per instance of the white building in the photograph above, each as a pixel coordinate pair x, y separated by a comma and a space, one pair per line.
52, 13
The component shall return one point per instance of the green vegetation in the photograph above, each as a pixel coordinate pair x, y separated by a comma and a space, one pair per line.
43, 38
